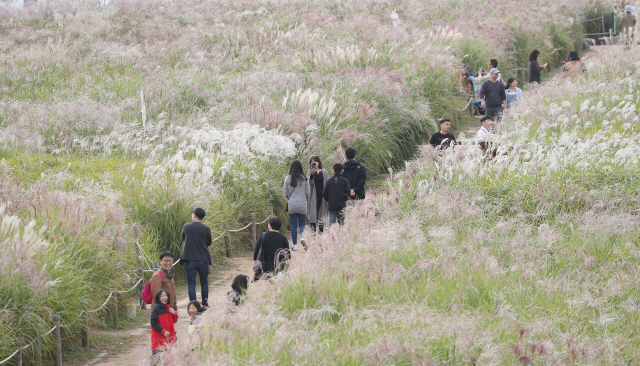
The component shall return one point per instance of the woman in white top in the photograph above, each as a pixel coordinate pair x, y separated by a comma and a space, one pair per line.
513, 93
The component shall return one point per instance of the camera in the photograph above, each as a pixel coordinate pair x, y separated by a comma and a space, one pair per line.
314, 165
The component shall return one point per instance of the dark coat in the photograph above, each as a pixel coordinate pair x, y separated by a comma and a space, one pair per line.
534, 71
336, 193
356, 174
162, 320
275, 249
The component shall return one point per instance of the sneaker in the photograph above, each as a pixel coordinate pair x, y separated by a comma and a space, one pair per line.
295, 248
205, 308
304, 243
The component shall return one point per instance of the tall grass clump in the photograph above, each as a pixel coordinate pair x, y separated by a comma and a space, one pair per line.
62, 254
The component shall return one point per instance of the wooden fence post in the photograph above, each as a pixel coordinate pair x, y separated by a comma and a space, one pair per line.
85, 337
39, 352
115, 311
254, 230
57, 340
140, 267
227, 240
20, 344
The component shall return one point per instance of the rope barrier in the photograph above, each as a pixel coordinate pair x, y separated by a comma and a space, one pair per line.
468, 104
134, 286
103, 305
27, 346
109, 298
221, 235
235, 231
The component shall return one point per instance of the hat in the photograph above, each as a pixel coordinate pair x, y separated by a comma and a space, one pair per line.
629, 9
199, 212
494, 71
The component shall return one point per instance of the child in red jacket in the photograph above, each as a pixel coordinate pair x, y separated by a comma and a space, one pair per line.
163, 334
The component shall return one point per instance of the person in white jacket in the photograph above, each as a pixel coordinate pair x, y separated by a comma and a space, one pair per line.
485, 126
493, 64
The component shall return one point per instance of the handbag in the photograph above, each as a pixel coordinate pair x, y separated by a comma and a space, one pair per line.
286, 208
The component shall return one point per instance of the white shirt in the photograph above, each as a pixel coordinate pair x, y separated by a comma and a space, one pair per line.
482, 79
483, 131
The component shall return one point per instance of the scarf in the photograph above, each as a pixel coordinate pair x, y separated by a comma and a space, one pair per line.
168, 275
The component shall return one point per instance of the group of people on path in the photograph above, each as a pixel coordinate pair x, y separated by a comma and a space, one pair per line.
315, 196
196, 259
319, 197
496, 96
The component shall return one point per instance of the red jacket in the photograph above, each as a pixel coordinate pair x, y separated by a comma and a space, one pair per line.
162, 320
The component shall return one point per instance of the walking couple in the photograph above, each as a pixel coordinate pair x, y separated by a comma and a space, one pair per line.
320, 195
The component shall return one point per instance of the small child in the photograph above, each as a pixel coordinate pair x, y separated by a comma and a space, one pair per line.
163, 333
195, 310
239, 289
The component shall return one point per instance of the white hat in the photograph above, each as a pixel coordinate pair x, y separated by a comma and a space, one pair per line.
629, 9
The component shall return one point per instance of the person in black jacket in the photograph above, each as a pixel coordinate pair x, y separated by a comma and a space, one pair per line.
196, 256
535, 70
336, 193
275, 250
356, 174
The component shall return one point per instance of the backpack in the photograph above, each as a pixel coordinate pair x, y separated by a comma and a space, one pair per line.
572, 68
147, 295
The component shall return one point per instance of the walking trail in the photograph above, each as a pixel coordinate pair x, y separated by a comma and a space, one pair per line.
471, 130
136, 342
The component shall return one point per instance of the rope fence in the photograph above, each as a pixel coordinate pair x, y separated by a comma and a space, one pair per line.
28, 345
143, 258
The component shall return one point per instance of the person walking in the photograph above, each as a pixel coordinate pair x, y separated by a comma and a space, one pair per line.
443, 139
513, 93
318, 207
271, 251
196, 256
628, 20
573, 67
355, 173
297, 191
163, 279
492, 95
336, 193
535, 71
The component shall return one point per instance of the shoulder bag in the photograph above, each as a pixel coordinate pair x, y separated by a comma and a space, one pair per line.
286, 208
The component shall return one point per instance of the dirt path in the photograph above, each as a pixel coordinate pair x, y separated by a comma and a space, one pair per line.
136, 345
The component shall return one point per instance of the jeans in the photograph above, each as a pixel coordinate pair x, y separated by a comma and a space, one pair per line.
336, 216
202, 268
297, 220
